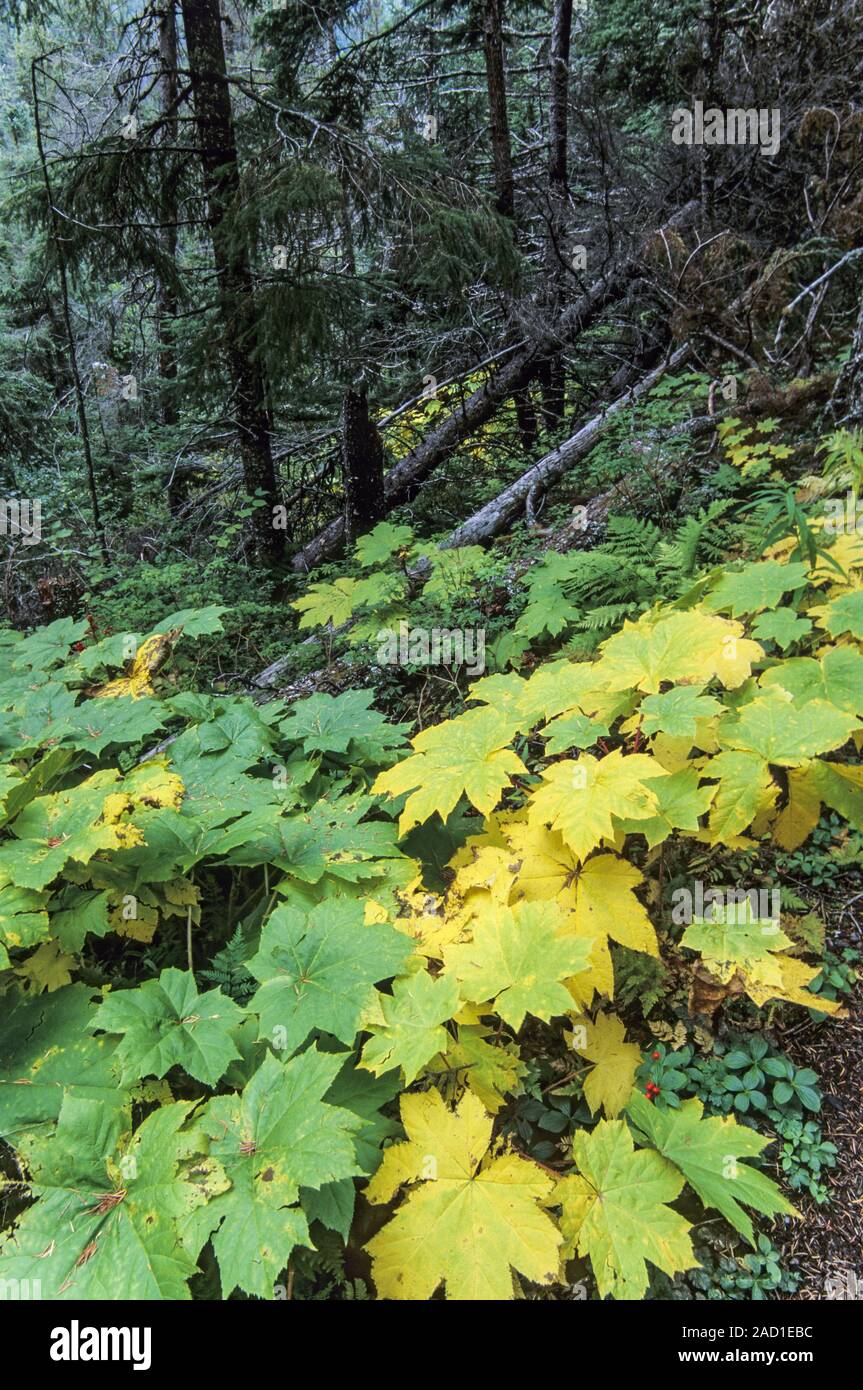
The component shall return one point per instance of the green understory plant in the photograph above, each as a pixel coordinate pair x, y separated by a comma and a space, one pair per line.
742, 1074
804, 1156
755, 1276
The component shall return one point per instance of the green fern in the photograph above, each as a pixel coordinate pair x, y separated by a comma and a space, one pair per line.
699, 541
228, 969
632, 538
607, 615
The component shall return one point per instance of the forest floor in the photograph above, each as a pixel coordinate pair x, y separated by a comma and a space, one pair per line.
827, 1243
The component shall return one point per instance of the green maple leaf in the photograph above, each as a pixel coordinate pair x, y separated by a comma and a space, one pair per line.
757, 586
317, 971
676, 711
465, 756
330, 839
73, 824
363, 1095
330, 724
548, 609
745, 786
40, 714
238, 730
96, 725
109, 653
167, 1023
783, 626
328, 603
23, 919
837, 677
75, 913
106, 1222
614, 1211
453, 570
707, 1153
17, 790
412, 1031
380, 544
46, 1053
573, 731
520, 962
277, 1137
195, 622
779, 732
680, 804
733, 934
844, 614
48, 646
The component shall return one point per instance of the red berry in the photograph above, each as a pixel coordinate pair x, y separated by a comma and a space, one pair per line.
655, 1056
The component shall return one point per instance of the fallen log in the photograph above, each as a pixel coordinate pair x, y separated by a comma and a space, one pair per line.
483, 403
469, 416
496, 515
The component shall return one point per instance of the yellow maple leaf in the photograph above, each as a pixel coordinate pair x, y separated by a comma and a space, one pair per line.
615, 1062
47, 969
799, 817
465, 756
786, 977
581, 797
680, 646
374, 912
152, 784
470, 1218
598, 899
149, 659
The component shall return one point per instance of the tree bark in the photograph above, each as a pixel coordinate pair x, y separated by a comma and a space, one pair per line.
525, 415
711, 26
166, 301
552, 374
363, 464
561, 35
220, 168
492, 42
57, 236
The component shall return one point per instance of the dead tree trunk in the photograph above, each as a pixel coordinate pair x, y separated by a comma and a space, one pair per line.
501, 146
220, 168
492, 42
166, 300
558, 125
552, 376
497, 514
481, 405
363, 464
711, 26
525, 415
470, 415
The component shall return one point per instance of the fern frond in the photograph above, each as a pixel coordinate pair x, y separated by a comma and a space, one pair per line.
228, 969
